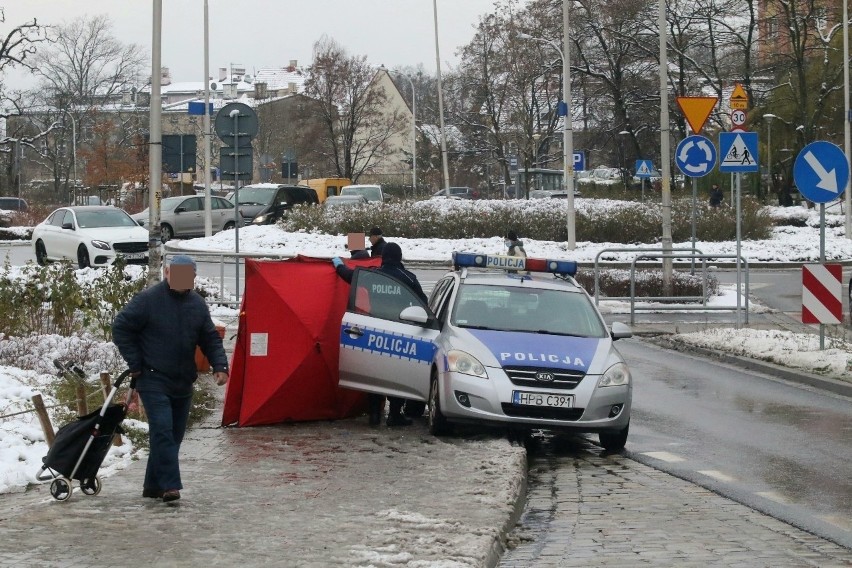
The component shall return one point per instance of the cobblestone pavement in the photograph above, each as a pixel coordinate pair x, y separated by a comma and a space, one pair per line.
586, 508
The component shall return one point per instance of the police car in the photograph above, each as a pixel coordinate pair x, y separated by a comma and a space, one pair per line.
503, 340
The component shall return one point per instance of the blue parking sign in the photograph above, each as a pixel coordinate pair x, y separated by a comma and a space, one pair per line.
579, 161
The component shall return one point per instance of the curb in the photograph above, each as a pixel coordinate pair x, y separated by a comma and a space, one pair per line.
836, 386
498, 544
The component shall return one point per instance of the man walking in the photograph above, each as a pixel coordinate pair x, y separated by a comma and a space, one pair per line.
157, 333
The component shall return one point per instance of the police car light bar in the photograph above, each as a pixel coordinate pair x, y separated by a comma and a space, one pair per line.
475, 260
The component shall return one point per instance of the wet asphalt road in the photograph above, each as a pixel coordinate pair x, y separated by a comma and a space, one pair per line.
776, 446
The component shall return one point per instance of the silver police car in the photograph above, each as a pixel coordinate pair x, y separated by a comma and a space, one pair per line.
504, 340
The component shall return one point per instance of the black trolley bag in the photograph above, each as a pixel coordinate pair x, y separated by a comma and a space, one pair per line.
80, 447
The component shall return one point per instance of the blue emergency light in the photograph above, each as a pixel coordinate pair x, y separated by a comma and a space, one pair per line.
476, 260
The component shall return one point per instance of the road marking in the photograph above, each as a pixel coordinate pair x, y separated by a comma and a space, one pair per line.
772, 496
664, 456
717, 475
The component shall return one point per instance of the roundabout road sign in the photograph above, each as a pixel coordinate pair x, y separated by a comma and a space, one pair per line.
695, 156
821, 171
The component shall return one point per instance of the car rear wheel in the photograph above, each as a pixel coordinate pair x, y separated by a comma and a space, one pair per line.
438, 425
229, 225
614, 441
166, 232
41, 253
83, 257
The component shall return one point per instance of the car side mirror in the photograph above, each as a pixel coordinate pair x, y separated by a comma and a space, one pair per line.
414, 314
180, 209
140, 222
620, 331
69, 226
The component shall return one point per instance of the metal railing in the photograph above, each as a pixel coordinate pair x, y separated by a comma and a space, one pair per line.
633, 250
236, 260
679, 308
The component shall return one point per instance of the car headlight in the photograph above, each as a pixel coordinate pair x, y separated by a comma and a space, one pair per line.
617, 375
466, 364
259, 220
101, 245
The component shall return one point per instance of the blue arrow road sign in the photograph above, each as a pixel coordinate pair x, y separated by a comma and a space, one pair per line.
821, 172
644, 168
738, 152
579, 161
695, 156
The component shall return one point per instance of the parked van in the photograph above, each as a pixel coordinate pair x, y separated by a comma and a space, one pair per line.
373, 193
326, 187
266, 203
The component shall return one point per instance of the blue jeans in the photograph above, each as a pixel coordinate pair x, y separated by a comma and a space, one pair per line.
167, 418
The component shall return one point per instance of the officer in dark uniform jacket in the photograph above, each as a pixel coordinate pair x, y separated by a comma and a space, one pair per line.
377, 241
392, 265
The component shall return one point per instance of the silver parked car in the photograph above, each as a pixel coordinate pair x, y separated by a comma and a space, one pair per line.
520, 345
183, 216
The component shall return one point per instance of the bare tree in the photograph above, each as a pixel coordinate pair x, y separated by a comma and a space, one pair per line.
17, 48
352, 112
84, 75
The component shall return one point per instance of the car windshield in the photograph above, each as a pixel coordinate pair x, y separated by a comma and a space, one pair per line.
104, 218
530, 310
371, 193
256, 195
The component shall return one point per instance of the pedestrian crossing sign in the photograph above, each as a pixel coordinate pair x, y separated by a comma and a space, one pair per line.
644, 168
738, 151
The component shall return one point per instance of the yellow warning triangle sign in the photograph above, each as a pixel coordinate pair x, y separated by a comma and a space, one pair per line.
739, 98
696, 110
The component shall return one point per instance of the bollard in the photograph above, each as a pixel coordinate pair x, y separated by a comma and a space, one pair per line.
44, 419
82, 405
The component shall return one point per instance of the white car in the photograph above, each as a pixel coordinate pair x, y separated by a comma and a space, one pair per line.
372, 193
519, 345
90, 236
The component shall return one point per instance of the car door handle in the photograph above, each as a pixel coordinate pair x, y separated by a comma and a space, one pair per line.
353, 331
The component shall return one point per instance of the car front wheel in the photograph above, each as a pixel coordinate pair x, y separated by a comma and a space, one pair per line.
166, 232
41, 253
83, 257
228, 226
614, 441
438, 425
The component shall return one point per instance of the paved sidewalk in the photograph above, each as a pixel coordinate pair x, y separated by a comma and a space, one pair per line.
298, 495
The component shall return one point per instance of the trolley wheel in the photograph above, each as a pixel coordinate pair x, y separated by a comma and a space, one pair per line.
61, 489
91, 486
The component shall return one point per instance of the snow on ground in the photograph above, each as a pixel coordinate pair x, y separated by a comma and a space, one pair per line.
22, 442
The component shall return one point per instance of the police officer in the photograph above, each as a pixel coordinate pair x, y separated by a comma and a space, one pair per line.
392, 265
377, 242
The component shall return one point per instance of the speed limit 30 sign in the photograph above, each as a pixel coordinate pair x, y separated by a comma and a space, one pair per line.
738, 118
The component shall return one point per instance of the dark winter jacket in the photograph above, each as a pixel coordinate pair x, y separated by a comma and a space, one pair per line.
392, 265
157, 333
378, 248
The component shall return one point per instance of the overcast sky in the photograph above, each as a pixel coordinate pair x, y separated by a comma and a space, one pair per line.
259, 33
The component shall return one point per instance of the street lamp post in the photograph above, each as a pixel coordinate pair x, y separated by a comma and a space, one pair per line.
73, 144
444, 158
567, 131
768, 118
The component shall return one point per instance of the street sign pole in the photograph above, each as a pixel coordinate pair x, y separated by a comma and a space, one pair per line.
236, 116
739, 242
694, 205
822, 261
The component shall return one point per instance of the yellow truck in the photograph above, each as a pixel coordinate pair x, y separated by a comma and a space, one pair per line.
326, 186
